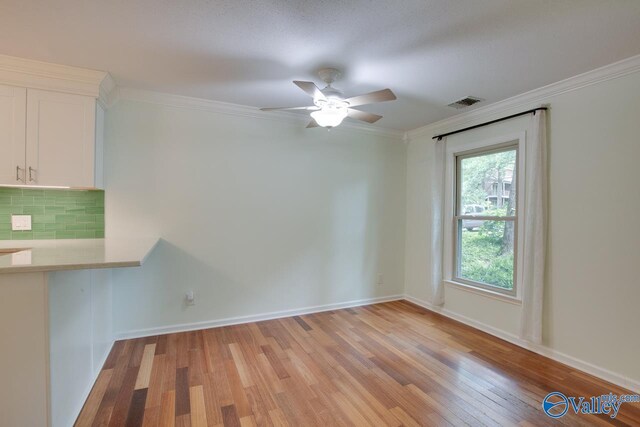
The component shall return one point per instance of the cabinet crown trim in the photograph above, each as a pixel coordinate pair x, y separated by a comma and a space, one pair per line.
30, 73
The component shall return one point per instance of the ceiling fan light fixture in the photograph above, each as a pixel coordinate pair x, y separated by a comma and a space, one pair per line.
329, 105
330, 115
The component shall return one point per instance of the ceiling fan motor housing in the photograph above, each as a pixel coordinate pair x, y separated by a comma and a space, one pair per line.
329, 75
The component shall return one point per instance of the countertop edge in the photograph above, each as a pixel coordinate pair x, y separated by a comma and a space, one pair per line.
135, 260
58, 267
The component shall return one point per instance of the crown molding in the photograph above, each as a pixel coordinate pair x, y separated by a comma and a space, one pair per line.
43, 75
530, 99
107, 92
218, 107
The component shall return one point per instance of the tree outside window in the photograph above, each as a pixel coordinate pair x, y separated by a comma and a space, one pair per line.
486, 218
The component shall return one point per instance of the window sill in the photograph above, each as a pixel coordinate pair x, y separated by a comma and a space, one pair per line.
484, 292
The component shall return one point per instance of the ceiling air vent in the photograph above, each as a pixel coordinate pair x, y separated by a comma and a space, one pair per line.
465, 102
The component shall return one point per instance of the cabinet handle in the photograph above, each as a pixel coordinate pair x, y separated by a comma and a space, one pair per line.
18, 174
31, 170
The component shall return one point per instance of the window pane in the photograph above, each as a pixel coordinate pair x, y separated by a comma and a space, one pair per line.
486, 252
486, 184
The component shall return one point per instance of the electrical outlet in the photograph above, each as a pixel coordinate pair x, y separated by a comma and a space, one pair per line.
190, 298
380, 281
21, 222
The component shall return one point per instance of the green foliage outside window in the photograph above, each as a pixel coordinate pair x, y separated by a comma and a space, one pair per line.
487, 248
482, 258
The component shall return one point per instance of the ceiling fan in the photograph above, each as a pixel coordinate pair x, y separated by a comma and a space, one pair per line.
330, 107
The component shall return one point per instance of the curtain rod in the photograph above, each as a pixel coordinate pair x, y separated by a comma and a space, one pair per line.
491, 122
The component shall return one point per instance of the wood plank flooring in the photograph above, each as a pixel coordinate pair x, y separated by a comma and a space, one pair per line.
386, 364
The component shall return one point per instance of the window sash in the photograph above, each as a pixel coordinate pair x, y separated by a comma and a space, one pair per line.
488, 218
478, 153
457, 259
458, 218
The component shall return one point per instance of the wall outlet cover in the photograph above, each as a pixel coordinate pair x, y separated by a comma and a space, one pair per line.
21, 222
190, 298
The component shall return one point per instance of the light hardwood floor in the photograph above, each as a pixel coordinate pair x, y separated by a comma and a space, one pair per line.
386, 364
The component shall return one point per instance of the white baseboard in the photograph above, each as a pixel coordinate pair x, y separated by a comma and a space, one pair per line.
571, 361
184, 327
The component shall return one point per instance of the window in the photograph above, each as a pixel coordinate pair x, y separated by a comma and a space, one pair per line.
485, 217
506, 187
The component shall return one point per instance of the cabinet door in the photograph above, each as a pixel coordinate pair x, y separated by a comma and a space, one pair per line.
60, 139
12, 134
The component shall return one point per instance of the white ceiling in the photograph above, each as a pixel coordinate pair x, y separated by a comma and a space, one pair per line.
429, 53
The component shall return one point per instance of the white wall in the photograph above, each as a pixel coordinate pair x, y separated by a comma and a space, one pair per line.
592, 288
256, 215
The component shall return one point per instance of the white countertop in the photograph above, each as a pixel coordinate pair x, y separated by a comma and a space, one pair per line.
74, 254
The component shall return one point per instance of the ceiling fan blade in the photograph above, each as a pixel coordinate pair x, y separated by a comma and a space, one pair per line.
312, 124
310, 88
310, 108
364, 116
370, 98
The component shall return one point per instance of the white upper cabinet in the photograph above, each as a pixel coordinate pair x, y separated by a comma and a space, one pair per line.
60, 139
13, 101
51, 124
47, 138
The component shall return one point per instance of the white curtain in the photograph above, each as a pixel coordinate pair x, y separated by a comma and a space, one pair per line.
535, 236
437, 221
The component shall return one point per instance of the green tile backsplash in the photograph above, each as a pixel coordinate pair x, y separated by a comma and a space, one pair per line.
55, 214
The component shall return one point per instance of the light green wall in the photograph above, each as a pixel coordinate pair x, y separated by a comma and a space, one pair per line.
266, 208
55, 214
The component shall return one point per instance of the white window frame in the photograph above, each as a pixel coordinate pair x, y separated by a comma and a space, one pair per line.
454, 150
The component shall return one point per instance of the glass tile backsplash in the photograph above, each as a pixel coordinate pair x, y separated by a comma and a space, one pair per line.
55, 214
